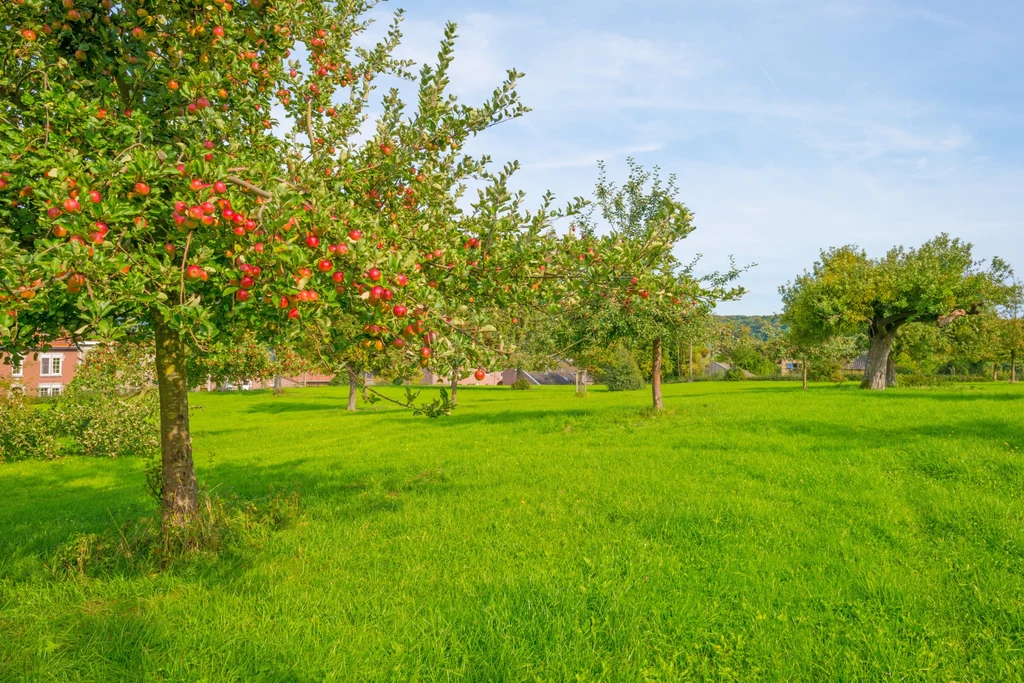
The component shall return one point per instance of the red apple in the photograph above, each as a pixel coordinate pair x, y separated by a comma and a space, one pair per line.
324, 266
338, 276
312, 241
293, 314
355, 235
142, 188
95, 197
219, 187
479, 374
373, 274
71, 205
242, 295
400, 311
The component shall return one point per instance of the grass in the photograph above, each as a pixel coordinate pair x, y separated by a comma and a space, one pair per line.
753, 532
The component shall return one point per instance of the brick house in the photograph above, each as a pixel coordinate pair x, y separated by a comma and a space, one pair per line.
44, 373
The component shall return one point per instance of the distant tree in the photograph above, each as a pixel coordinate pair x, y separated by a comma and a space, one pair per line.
847, 292
645, 222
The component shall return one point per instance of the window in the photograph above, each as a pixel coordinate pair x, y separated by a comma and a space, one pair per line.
48, 390
51, 366
17, 368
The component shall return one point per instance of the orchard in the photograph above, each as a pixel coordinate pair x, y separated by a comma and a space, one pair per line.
149, 192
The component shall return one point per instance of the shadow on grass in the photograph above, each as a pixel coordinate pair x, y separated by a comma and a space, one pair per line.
43, 523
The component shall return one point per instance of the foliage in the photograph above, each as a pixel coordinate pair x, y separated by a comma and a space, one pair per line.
735, 374
760, 326
521, 384
847, 292
24, 430
111, 408
619, 371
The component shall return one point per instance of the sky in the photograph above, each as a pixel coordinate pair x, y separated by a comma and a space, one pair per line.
792, 125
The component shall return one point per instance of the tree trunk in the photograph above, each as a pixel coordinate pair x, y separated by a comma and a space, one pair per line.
179, 490
353, 389
277, 385
890, 371
691, 361
995, 372
877, 369
803, 365
455, 385
656, 374
1013, 366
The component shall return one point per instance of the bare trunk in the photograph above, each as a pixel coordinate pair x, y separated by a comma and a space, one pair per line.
803, 365
656, 374
277, 385
353, 389
1013, 366
455, 385
179, 489
877, 369
890, 371
679, 358
995, 372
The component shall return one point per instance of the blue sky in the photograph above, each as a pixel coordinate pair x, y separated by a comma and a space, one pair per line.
793, 125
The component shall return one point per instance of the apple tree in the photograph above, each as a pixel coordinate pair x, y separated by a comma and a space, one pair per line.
846, 292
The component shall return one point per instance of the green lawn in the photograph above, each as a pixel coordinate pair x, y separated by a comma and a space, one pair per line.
754, 532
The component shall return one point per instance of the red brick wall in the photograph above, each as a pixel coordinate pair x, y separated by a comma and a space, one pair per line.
31, 375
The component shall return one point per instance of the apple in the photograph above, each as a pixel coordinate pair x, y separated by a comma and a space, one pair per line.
207, 207
196, 185
355, 235
377, 292
219, 187
193, 273
312, 241
53, 213
479, 374
246, 282
325, 266
425, 353
242, 295
71, 205
400, 311
95, 197
170, 249
401, 280
338, 276
218, 31
398, 342
373, 274
28, 34
142, 188
293, 314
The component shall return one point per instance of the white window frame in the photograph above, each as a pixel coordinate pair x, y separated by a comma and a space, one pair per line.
17, 367
59, 357
50, 389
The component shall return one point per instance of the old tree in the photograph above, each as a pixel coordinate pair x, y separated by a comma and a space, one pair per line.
847, 292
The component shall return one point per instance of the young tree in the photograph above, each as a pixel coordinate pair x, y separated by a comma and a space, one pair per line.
847, 292
645, 223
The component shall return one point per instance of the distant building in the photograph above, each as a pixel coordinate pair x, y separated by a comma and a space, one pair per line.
563, 375
45, 373
788, 366
857, 364
490, 379
718, 369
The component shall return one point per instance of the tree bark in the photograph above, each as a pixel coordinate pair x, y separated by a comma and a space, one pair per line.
277, 385
1013, 366
803, 365
455, 385
353, 389
995, 371
890, 371
691, 361
179, 490
877, 369
656, 374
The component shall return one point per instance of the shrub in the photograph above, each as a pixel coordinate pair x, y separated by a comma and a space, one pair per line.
620, 372
826, 372
522, 384
735, 375
935, 380
24, 429
111, 408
